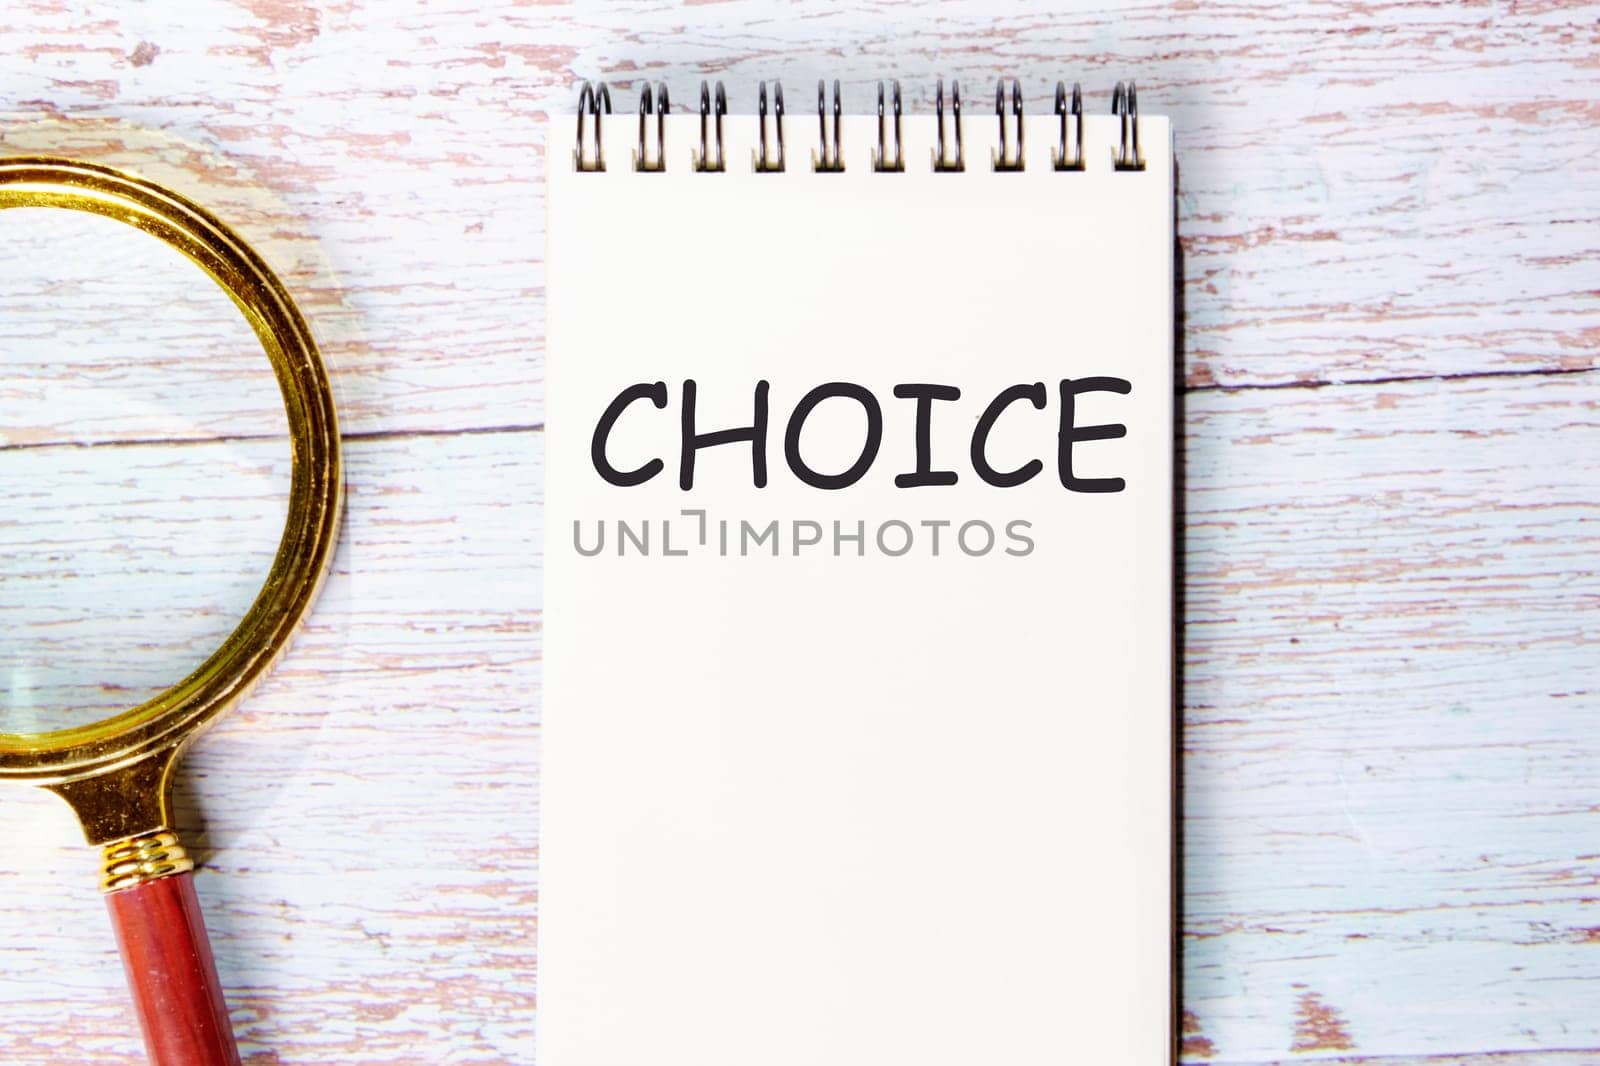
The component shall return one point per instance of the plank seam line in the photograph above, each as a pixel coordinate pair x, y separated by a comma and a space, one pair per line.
1398, 379
1443, 1057
241, 438
538, 427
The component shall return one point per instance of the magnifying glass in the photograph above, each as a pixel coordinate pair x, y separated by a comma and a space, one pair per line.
116, 772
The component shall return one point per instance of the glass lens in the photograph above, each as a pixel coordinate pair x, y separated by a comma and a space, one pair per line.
144, 468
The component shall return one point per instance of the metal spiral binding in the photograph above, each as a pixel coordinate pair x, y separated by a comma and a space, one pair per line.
1073, 160
1125, 105
823, 163
594, 101
702, 160
1003, 160
589, 103
658, 106
880, 157
942, 163
764, 163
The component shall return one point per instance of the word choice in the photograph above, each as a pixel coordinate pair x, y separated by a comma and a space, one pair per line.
801, 536
693, 438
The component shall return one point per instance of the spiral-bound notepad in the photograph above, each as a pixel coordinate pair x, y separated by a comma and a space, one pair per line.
858, 735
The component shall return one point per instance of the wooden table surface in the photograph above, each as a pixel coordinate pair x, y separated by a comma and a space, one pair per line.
1389, 216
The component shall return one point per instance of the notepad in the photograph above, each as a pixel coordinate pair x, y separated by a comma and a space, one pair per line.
858, 734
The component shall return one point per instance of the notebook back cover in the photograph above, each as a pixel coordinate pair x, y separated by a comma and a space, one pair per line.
843, 762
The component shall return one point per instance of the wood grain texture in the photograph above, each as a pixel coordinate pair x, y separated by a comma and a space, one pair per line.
365, 823
1388, 216
172, 979
1390, 686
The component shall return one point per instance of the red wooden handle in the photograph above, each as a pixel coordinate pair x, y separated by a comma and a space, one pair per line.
171, 975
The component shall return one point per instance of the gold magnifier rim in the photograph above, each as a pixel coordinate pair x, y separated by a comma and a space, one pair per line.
316, 483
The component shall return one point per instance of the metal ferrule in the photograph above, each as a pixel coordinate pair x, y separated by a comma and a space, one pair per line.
129, 863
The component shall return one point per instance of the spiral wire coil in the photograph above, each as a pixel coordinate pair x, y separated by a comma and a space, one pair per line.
764, 163
1003, 160
824, 163
1073, 160
1125, 105
652, 103
710, 112
590, 102
888, 156
943, 162
881, 160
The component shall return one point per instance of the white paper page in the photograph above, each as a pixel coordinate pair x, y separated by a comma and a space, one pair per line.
849, 804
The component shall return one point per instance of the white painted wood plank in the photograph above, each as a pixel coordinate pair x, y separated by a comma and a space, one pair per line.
1394, 813
1492, 1058
1392, 613
1391, 190
178, 539
1389, 752
366, 822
